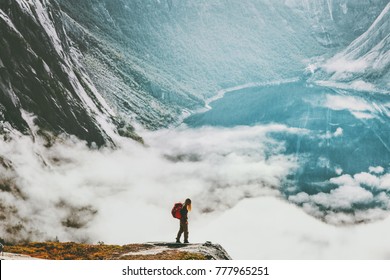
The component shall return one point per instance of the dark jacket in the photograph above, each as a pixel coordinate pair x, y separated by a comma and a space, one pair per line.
184, 212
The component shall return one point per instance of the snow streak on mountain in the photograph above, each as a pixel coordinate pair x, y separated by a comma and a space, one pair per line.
42, 81
365, 63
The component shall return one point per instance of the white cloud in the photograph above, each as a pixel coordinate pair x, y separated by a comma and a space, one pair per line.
363, 86
339, 171
68, 182
385, 182
280, 230
377, 169
341, 65
343, 197
299, 198
367, 179
351, 190
328, 135
340, 102
376, 181
357, 85
358, 107
133, 189
345, 179
338, 132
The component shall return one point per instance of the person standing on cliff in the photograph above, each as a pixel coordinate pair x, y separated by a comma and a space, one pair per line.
184, 221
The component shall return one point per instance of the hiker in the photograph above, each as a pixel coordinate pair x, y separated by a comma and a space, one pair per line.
184, 221
2, 249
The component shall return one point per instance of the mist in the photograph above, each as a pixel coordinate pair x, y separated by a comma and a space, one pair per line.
70, 192
123, 195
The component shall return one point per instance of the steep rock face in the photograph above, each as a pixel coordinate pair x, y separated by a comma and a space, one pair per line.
40, 77
334, 21
119, 49
367, 58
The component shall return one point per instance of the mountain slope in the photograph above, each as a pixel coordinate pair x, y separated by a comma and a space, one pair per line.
40, 76
366, 61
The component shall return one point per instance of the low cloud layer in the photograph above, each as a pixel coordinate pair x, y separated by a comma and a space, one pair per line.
360, 108
72, 193
359, 198
280, 230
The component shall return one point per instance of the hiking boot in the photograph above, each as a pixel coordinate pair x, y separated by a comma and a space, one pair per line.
186, 241
178, 241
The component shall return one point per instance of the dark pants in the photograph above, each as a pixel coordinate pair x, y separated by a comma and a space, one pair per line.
183, 228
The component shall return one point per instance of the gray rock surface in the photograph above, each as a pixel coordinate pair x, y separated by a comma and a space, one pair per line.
10, 256
210, 250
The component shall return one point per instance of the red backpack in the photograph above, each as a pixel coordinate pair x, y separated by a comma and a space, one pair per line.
176, 210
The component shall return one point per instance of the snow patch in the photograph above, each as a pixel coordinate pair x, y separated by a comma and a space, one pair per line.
41, 9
